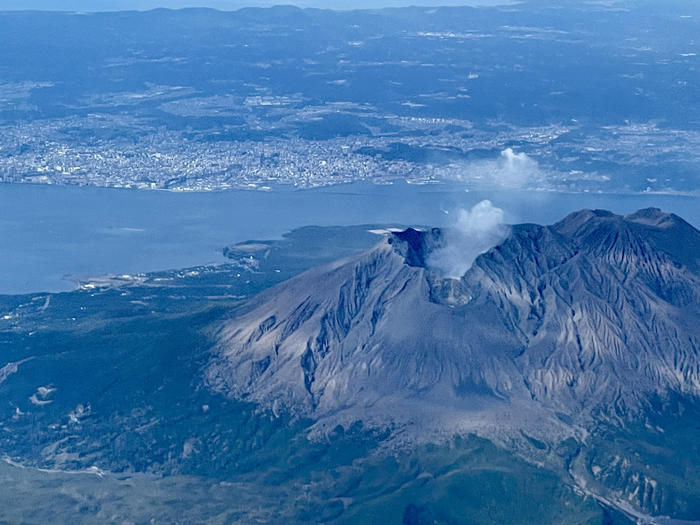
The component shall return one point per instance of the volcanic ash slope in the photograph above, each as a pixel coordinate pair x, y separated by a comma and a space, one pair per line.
549, 331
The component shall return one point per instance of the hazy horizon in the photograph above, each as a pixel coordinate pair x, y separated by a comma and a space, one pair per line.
121, 5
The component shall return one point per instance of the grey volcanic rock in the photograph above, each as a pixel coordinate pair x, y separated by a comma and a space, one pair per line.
558, 325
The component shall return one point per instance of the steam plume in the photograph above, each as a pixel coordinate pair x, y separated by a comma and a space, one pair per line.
510, 170
475, 231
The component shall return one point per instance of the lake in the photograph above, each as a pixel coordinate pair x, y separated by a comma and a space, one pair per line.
49, 233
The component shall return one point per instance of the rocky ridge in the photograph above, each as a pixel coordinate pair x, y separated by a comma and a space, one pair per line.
553, 329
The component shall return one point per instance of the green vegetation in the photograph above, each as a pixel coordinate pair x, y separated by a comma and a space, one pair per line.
470, 481
108, 399
652, 464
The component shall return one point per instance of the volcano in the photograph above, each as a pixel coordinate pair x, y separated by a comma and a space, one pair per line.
548, 332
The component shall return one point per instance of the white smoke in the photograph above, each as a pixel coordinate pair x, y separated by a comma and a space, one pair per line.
510, 170
515, 170
474, 232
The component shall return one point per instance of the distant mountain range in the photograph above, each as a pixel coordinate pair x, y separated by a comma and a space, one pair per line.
552, 335
122, 5
534, 95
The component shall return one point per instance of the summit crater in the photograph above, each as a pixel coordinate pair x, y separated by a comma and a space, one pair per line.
562, 323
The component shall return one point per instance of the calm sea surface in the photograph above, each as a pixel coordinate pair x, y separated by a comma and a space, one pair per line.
48, 233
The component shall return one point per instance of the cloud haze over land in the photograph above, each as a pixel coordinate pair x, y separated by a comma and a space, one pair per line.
474, 232
510, 170
477, 230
